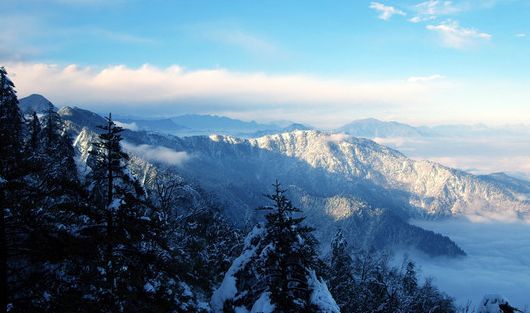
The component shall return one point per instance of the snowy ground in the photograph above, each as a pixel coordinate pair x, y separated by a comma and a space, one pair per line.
498, 261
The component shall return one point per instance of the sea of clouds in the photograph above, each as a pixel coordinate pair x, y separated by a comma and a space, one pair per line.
497, 261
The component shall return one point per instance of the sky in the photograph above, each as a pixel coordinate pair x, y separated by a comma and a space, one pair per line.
323, 63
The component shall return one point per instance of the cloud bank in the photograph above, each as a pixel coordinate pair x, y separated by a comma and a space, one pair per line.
174, 89
321, 101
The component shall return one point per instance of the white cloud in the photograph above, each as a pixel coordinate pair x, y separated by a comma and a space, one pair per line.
385, 11
431, 9
337, 137
131, 126
520, 35
424, 79
158, 153
455, 36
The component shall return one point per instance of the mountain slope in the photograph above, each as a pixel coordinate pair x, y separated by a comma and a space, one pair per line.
520, 186
338, 180
431, 188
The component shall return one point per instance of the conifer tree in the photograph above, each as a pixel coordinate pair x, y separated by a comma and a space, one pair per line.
293, 253
276, 272
11, 128
11, 149
134, 268
35, 134
341, 279
21, 215
410, 281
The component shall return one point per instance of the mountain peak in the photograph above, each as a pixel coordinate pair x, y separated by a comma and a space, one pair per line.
34, 103
81, 118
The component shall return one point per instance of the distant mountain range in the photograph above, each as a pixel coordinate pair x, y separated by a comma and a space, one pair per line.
373, 128
196, 124
340, 181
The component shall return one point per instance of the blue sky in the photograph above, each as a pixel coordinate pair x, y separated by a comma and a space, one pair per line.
315, 61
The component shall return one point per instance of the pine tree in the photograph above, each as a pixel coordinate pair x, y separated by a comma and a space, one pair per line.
276, 268
58, 148
341, 278
11, 150
410, 281
35, 134
294, 252
134, 266
11, 128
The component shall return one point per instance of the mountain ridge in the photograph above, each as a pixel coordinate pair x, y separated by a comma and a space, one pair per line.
333, 178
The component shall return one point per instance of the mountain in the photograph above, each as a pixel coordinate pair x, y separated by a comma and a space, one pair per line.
287, 129
219, 124
77, 118
338, 180
158, 125
34, 103
373, 128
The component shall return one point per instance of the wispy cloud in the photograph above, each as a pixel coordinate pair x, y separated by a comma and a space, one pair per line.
386, 12
158, 154
455, 36
131, 126
424, 79
520, 35
116, 36
431, 9
24, 37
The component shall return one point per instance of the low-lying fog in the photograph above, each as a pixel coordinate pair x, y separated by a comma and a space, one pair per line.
497, 262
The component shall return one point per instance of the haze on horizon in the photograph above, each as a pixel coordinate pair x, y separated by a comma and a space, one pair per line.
419, 62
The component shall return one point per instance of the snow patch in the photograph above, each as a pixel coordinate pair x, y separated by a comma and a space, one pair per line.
228, 288
490, 304
321, 296
263, 304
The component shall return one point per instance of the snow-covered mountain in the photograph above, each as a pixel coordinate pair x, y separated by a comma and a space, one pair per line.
338, 180
288, 128
521, 187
